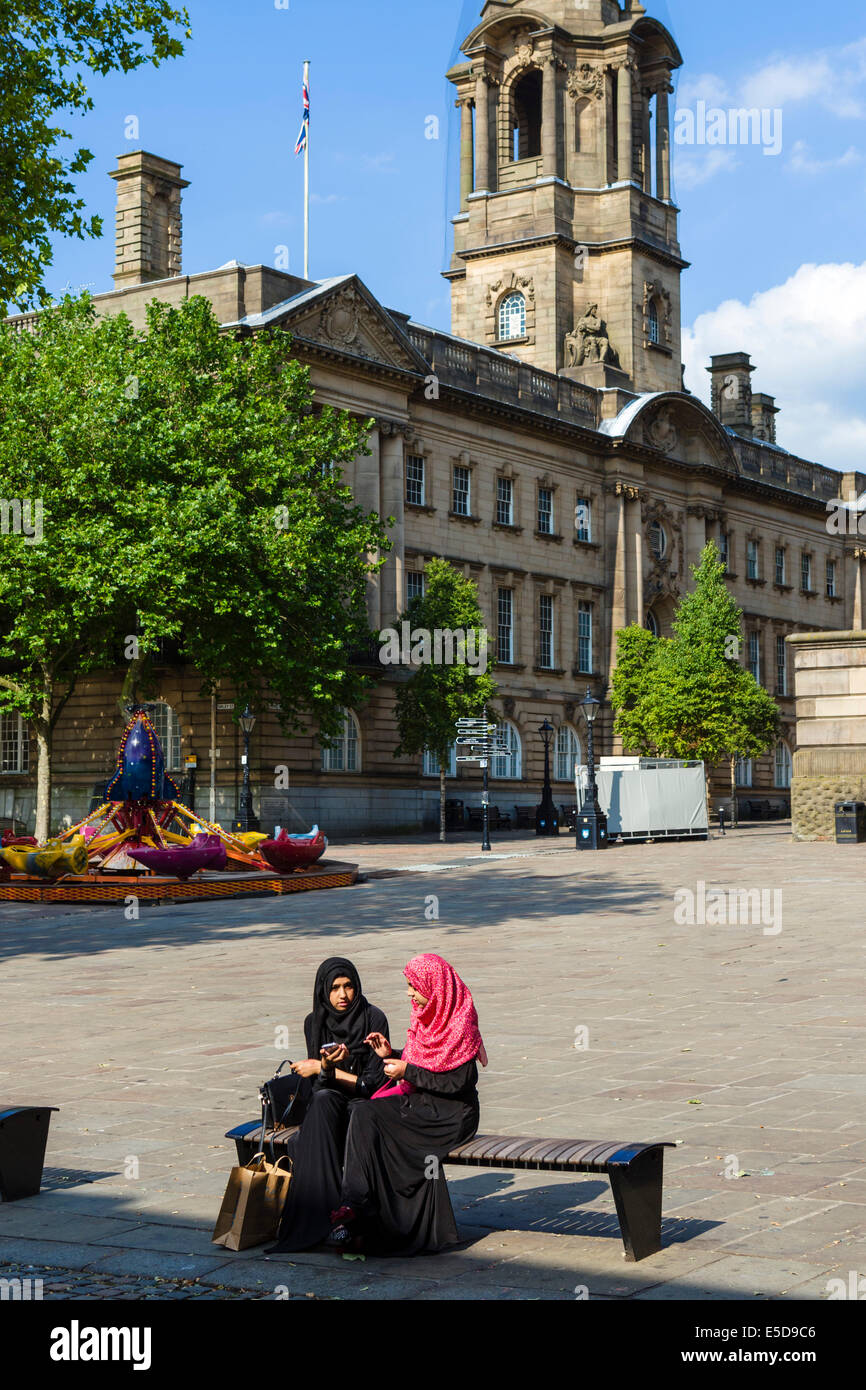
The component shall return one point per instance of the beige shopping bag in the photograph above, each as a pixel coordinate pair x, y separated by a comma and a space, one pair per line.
253, 1204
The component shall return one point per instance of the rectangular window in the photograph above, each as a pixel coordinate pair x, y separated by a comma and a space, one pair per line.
14, 744
416, 584
752, 560
831, 578
584, 637
781, 666
755, 655
505, 501
583, 519
545, 631
780, 565
460, 492
725, 548
545, 511
415, 489
505, 626
806, 573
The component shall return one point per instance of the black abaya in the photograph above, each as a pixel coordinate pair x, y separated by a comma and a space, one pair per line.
393, 1176
317, 1149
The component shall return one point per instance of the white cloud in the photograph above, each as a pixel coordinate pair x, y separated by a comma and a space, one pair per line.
807, 338
834, 77
704, 87
379, 163
690, 170
803, 163
327, 198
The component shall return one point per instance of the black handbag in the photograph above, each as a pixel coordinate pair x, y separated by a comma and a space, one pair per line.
284, 1099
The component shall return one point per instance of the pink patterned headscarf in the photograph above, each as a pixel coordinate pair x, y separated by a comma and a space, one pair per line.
444, 1033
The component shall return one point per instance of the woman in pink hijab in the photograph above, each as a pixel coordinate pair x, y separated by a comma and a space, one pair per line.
395, 1198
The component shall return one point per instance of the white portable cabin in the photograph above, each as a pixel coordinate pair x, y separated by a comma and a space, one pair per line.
649, 798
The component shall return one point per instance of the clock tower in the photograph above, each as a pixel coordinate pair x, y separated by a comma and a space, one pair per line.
566, 248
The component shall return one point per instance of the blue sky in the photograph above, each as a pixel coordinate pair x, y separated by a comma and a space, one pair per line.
775, 242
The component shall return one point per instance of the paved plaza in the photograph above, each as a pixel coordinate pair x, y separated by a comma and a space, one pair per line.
603, 1017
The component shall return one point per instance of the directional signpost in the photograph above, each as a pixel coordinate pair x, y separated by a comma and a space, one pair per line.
477, 742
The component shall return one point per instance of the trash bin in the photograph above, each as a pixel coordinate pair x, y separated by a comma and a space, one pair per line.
23, 1136
850, 822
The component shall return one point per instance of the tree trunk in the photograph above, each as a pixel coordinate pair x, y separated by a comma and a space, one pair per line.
733, 793
43, 730
442, 802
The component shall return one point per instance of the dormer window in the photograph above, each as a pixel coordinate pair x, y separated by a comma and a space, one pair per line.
512, 317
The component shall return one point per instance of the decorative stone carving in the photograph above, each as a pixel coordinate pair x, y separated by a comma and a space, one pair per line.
667, 570
661, 432
524, 47
524, 283
654, 291
589, 341
340, 320
586, 81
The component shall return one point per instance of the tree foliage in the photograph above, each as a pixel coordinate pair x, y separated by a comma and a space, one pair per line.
46, 48
687, 696
187, 493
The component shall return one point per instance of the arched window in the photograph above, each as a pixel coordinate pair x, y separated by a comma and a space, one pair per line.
658, 540
654, 334
744, 772
652, 623
345, 753
783, 764
512, 316
527, 116
167, 726
508, 766
568, 754
431, 764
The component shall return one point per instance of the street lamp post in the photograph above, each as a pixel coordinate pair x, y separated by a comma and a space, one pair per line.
247, 819
591, 820
546, 817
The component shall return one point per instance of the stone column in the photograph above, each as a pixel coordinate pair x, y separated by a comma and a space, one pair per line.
549, 122
624, 117
663, 144
859, 616
482, 133
646, 142
368, 496
636, 546
392, 473
619, 587
696, 534
467, 159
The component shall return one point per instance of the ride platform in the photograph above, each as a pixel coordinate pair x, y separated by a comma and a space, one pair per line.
115, 888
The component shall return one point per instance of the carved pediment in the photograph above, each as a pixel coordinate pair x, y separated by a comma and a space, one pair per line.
348, 319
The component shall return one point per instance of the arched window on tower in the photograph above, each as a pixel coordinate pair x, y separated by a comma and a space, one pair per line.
512, 317
527, 116
654, 333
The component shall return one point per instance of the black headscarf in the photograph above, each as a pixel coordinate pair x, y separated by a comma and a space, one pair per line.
349, 1026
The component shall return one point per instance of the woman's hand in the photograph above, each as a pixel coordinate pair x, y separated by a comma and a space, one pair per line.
396, 1070
336, 1055
310, 1067
379, 1044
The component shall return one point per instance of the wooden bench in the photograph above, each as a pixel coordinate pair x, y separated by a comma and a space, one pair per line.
497, 820
635, 1170
524, 817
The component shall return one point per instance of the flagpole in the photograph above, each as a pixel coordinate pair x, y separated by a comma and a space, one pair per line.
307, 185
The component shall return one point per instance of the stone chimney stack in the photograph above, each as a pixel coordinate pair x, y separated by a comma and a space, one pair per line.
764, 412
731, 375
148, 219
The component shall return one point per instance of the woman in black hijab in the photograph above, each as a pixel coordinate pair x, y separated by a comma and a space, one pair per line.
341, 1015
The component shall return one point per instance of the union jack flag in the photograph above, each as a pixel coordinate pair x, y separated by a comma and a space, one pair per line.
305, 122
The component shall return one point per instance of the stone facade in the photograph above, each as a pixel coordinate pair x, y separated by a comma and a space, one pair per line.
582, 493
830, 762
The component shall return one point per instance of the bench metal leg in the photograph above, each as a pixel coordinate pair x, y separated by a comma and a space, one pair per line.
637, 1192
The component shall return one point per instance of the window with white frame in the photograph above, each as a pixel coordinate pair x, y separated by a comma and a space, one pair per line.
567, 754
831, 578
584, 637
755, 655
505, 501
505, 626
431, 763
510, 765
545, 511
416, 585
806, 573
415, 482
658, 540
14, 744
460, 493
783, 764
344, 755
654, 334
545, 631
583, 519
512, 317
752, 560
167, 726
781, 666
744, 772
781, 565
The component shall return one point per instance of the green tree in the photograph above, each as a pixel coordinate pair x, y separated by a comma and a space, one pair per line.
185, 489
46, 46
436, 695
687, 696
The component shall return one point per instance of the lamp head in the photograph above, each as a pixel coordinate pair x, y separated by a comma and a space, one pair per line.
590, 706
